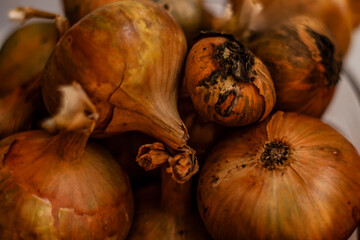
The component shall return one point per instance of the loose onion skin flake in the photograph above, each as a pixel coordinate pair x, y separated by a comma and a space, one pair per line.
289, 177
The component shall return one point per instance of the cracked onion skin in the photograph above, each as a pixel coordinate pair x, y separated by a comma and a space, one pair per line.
289, 177
59, 186
227, 83
128, 57
304, 63
44, 196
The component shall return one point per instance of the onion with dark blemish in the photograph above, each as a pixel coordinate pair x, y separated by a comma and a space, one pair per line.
58, 186
289, 177
227, 83
128, 57
304, 63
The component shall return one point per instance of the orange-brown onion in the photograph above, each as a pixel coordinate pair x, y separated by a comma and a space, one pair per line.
335, 14
166, 212
128, 57
77, 9
304, 63
354, 6
48, 191
289, 177
227, 83
22, 60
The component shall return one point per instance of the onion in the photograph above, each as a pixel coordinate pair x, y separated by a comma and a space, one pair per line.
227, 83
304, 62
59, 187
289, 177
133, 81
166, 212
22, 59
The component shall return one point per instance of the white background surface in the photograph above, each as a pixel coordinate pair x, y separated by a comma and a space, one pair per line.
343, 113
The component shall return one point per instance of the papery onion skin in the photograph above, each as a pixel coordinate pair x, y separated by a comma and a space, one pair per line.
132, 79
24, 54
304, 63
227, 83
314, 194
44, 196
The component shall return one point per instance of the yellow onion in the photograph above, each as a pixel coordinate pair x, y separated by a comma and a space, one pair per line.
77, 9
289, 177
248, 16
188, 13
58, 186
24, 54
128, 57
166, 212
22, 59
227, 83
304, 62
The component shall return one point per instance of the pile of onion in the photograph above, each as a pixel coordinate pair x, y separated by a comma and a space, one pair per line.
58, 186
289, 177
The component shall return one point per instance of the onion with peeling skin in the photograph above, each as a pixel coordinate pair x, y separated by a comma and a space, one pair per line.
60, 187
289, 177
227, 83
134, 88
304, 62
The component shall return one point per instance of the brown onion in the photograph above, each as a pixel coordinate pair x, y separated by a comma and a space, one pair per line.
60, 187
260, 15
188, 13
354, 6
166, 212
304, 63
24, 54
289, 177
22, 59
128, 57
227, 83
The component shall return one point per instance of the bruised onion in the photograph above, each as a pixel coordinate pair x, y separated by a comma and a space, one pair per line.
59, 186
166, 212
304, 63
134, 87
227, 83
289, 177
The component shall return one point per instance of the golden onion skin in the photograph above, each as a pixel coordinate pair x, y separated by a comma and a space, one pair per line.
227, 83
304, 63
312, 193
24, 54
127, 56
44, 196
